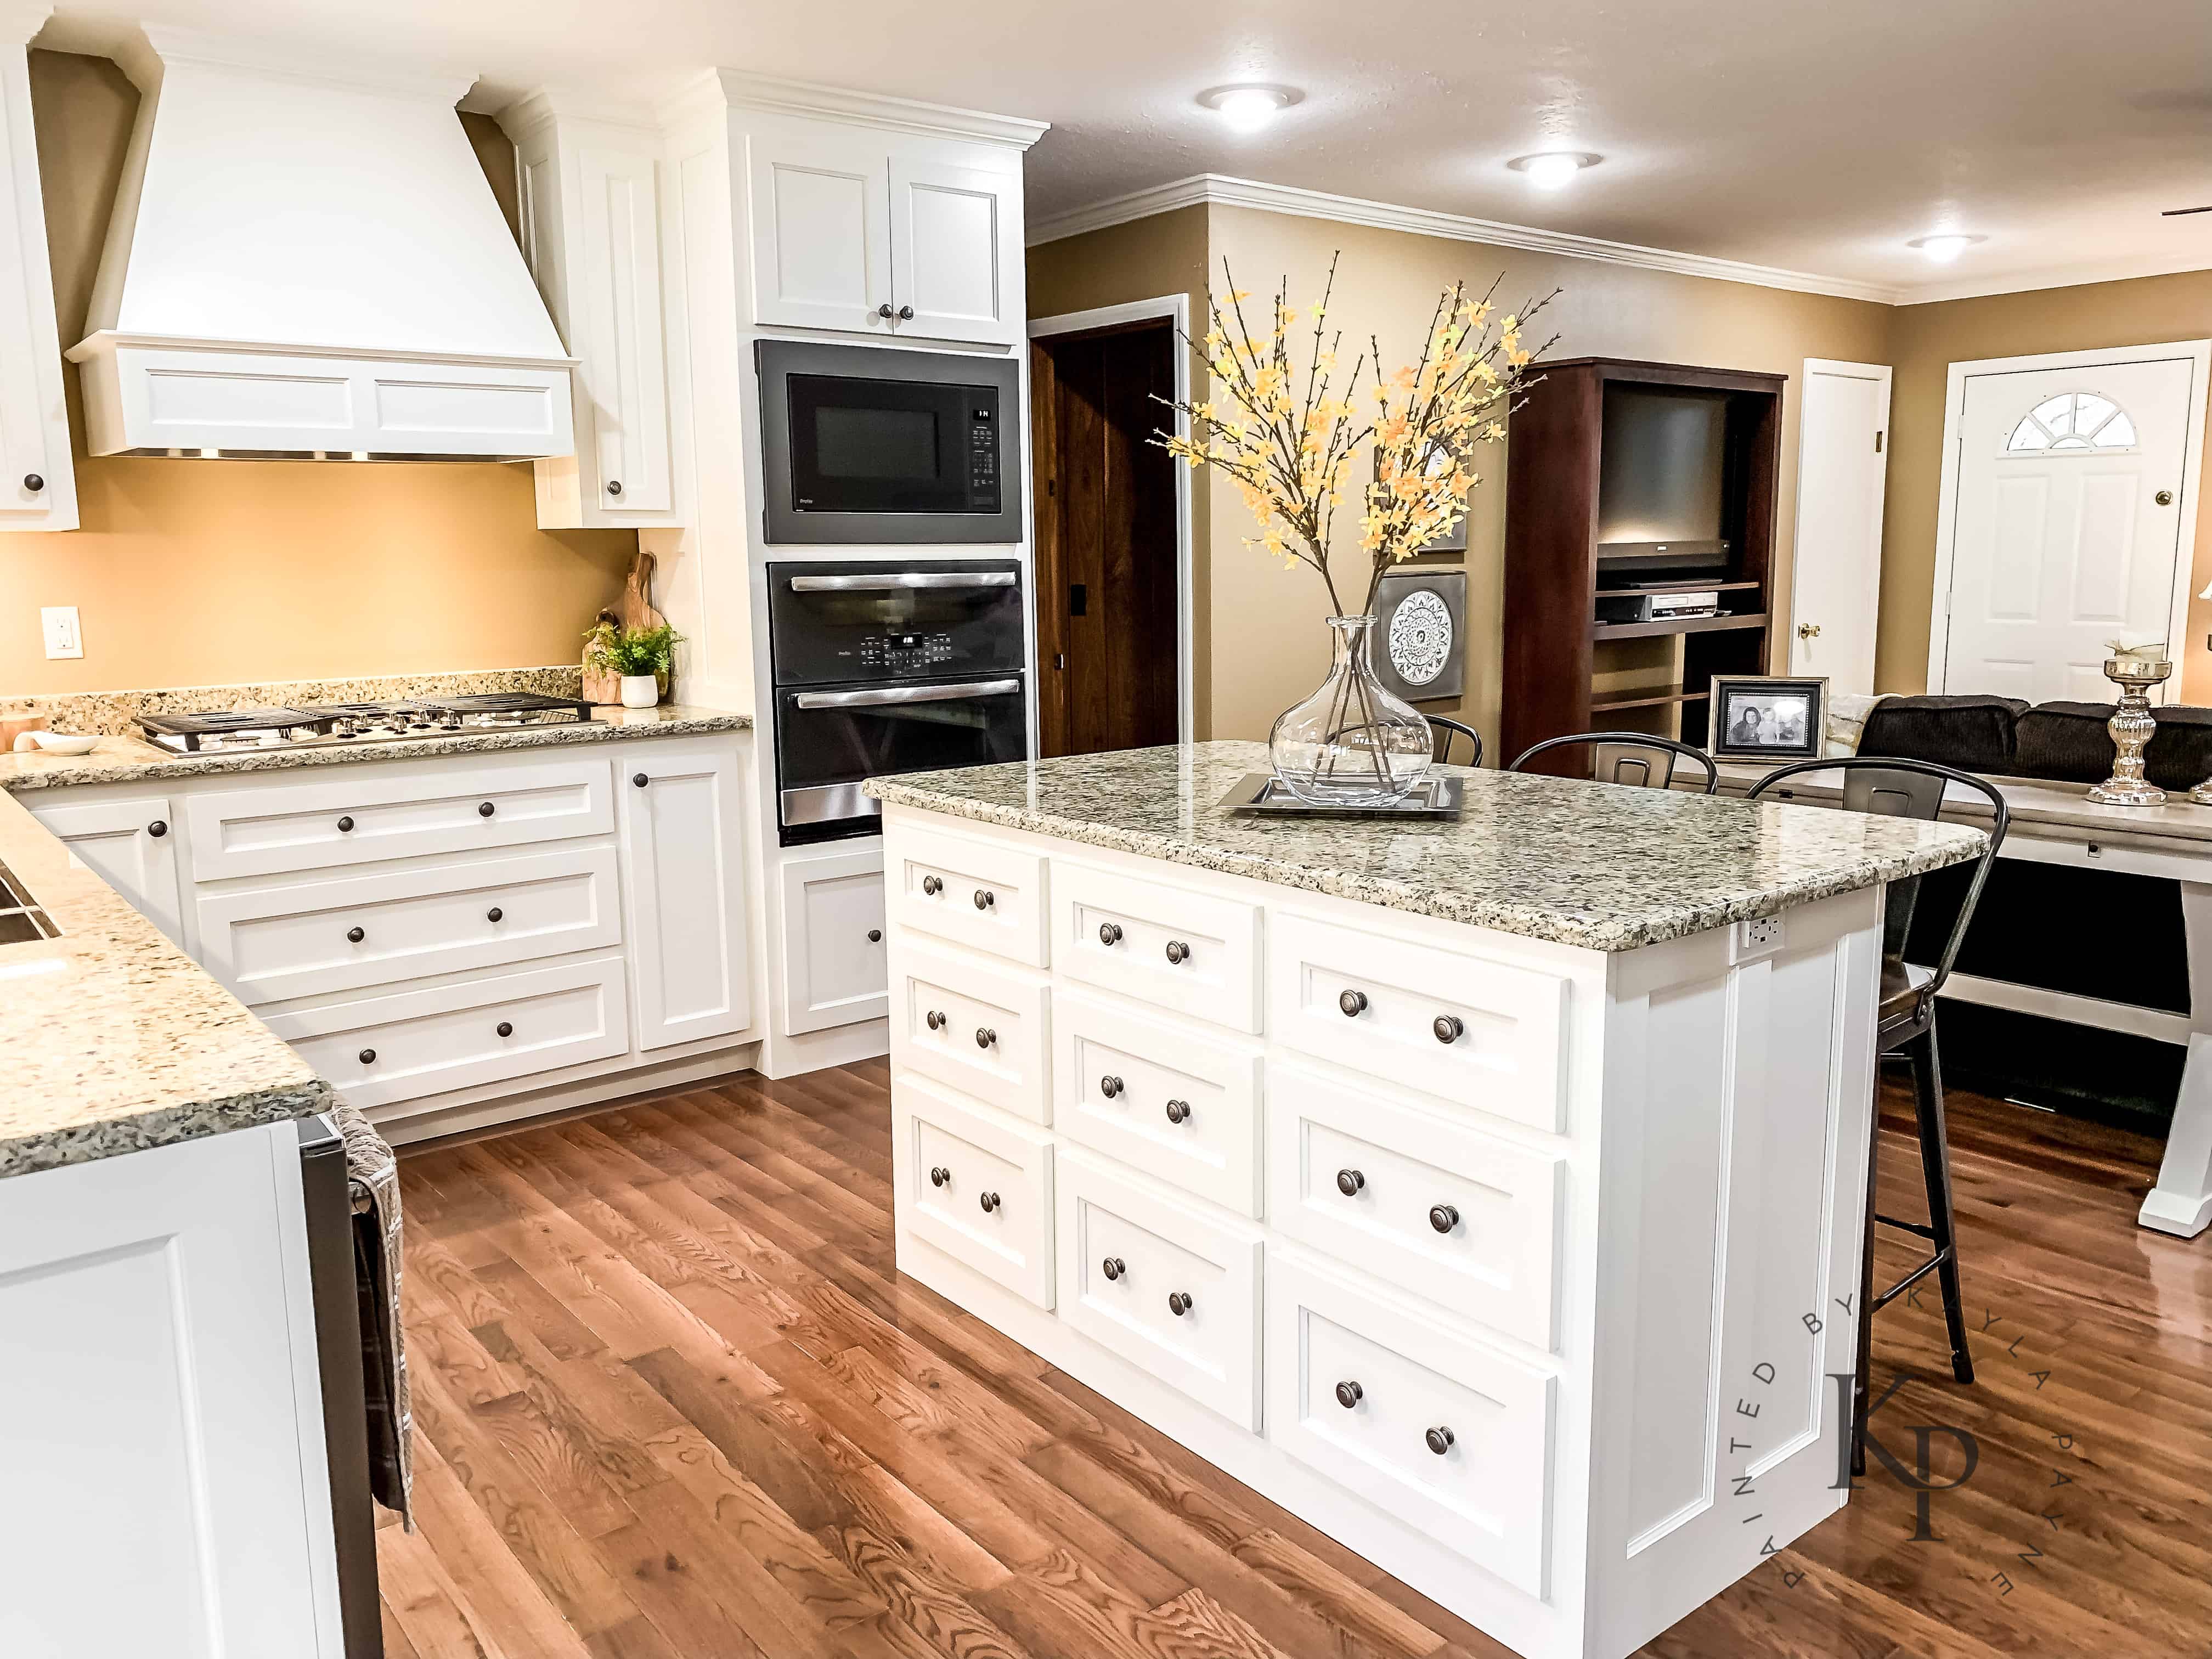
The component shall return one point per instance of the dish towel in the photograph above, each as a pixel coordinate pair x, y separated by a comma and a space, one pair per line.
373, 1177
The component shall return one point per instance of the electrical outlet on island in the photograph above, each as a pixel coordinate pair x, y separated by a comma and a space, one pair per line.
64, 637
1756, 936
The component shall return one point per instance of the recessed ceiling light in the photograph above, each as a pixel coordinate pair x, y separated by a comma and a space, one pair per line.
1248, 108
1947, 246
1552, 168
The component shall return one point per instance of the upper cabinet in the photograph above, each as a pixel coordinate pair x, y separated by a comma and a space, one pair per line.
867, 232
38, 480
594, 218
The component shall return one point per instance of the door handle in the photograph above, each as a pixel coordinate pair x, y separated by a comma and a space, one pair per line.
901, 694
1808, 630
903, 579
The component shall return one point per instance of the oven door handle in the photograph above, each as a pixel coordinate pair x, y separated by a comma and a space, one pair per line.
897, 694
903, 579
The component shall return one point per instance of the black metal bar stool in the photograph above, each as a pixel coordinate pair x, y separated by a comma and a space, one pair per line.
1630, 757
1441, 733
1906, 1025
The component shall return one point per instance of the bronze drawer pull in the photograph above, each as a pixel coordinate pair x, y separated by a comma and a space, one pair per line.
1449, 1028
1349, 1393
1179, 1302
495, 914
989, 1201
485, 809
1440, 1441
936, 1020
1178, 1111
1178, 953
1349, 1182
1109, 1086
1109, 933
505, 1027
875, 936
939, 1175
932, 886
346, 826
985, 1036
355, 935
1113, 1266
368, 1056
1353, 1003
1443, 1217
157, 829
985, 898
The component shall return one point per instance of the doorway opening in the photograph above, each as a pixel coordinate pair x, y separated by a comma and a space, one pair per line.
1112, 531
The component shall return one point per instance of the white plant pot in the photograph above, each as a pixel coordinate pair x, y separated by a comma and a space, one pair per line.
639, 691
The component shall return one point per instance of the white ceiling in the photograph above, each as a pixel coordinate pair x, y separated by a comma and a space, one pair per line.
1812, 137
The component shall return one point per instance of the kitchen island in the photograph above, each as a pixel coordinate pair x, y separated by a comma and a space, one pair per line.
1488, 1194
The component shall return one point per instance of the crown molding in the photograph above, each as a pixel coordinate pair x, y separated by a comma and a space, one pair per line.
2028, 282
737, 89
1221, 190
157, 48
550, 104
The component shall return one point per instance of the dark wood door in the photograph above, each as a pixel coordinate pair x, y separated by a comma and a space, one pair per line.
1106, 540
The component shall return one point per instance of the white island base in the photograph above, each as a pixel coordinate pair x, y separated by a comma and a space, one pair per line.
1524, 1278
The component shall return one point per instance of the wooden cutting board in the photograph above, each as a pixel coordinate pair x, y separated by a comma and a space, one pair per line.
632, 612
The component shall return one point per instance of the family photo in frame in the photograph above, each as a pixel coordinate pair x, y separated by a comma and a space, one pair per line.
1758, 717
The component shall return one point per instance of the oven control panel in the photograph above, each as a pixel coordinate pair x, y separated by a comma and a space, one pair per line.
983, 455
901, 654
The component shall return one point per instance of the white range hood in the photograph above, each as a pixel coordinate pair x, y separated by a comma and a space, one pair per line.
307, 260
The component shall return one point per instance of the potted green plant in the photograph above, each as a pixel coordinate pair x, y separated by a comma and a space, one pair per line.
640, 657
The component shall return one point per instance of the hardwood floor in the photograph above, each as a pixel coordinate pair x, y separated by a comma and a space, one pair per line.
673, 1400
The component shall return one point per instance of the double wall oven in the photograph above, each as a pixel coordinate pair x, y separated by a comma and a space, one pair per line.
881, 668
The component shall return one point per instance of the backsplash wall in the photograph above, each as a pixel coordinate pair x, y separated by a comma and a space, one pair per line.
199, 572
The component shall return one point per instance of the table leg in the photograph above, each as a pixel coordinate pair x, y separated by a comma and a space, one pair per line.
2182, 1201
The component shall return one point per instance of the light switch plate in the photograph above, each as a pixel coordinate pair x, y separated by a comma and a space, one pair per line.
64, 637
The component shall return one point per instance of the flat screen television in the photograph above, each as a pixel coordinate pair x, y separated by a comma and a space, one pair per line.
1661, 469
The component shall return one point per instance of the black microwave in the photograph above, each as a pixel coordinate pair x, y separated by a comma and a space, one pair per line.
861, 444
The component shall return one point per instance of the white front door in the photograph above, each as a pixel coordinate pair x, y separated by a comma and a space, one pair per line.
2066, 523
1842, 471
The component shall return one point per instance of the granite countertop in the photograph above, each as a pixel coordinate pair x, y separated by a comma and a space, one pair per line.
115, 1040
1598, 865
133, 760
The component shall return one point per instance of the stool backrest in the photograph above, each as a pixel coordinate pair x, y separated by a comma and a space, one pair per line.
1441, 733
1628, 757
1907, 789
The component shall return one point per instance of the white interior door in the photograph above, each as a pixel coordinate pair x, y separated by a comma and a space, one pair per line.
2068, 508
1841, 471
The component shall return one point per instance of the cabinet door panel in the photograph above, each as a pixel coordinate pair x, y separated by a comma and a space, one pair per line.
954, 233
624, 351
833, 961
37, 489
821, 224
130, 844
686, 885
976, 1187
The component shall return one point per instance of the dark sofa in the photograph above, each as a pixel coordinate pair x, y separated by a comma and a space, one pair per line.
2066, 741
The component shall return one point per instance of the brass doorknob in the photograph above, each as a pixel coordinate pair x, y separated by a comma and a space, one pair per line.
1808, 630
2164, 498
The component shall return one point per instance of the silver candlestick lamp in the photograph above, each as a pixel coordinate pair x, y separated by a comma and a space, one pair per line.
2132, 728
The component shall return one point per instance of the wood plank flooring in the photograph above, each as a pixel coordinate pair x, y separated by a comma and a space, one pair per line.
674, 1400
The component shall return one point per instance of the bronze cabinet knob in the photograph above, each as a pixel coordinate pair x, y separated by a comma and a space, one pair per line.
1178, 953
157, 829
883, 311
355, 935
875, 936
368, 1056
34, 483
985, 898
1349, 1393
1109, 1086
1440, 1441
939, 1175
639, 779
1113, 1266
985, 1036
1443, 1217
936, 1020
906, 313
485, 809
1349, 1182
1178, 1111
1179, 1302
505, 1027
1353, 1003
1449, 1028
494, 914
932, 886
1109, 933
614, 486
346, 826
989, 1201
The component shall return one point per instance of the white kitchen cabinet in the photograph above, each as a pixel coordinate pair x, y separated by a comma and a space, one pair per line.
127, 841
165, 1294
685, 884
591, 202
834, 971
38, 479
856, 232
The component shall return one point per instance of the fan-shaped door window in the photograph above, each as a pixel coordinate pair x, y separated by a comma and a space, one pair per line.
2078, 421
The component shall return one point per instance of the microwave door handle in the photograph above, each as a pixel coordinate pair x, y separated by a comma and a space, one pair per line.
895, 694
900, 579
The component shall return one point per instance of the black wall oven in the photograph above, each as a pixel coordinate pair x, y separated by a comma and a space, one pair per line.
880, 668
861, 444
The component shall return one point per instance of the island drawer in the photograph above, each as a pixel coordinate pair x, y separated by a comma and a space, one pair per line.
1419, 1197
1469, 1029
273, 942
1446, 1435
983, 1028
978, 1188
1178, 1105
384, 1049
1166, 1286
981, 893
361, 814
1192, 952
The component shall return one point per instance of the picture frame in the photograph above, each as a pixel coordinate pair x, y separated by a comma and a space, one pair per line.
1764, 717
1420, 652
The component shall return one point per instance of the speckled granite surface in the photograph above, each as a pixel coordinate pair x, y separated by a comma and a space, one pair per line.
113, 1039
115, 714
1592, 865
131, 760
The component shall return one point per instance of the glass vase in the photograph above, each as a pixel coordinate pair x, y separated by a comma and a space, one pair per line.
1351, 743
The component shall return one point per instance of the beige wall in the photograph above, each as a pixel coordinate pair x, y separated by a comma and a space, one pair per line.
1924, 342
1265, 646
189, 572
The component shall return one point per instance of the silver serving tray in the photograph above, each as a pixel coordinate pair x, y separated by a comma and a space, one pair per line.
1262, 795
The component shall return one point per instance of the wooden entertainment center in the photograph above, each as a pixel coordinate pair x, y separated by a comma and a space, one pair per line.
1627, 480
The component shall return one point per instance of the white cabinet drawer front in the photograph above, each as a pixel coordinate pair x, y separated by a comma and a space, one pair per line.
977, 892
1444, 1434
1460, 1217
833, 951
423, 1042
1175, 1104
982, 1029
1161, 1284
1192, 952
273, 944
978, 1188
357, 815
1477, 1032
